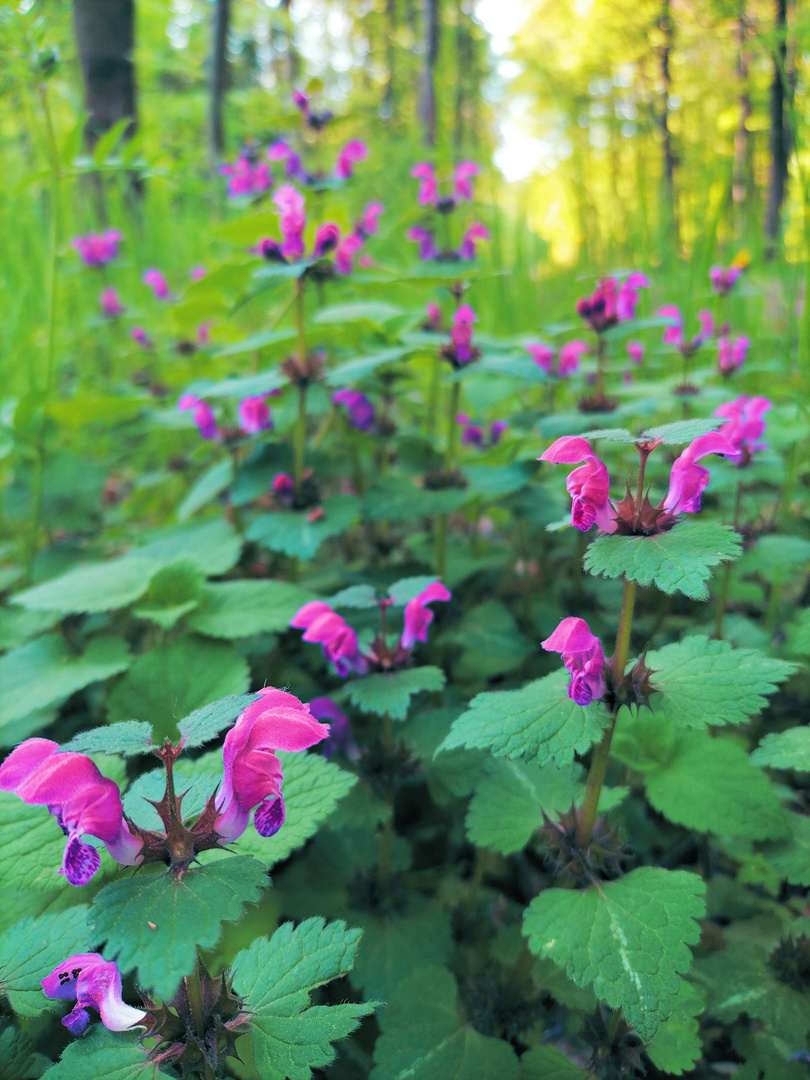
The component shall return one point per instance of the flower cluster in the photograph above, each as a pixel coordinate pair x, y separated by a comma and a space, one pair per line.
745, 426
247, 176
612, 303
461, 350
158, 284
254, 415
339, 643
92, 982
359, 408
673, 335
583, 656
723, 279
731, 354
561, 364
473, 434
97, 249
429, 186
429, 251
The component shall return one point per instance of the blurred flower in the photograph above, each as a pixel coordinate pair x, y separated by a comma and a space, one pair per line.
462, 180
254, 414
157, 283
583, 656
473, 434
246, 177
731, 354
612, 303
340, 729
745, 425
352, 153
111, 306
139, 334
202, 414
284, 488
724, 279
428, 188
97, 249
344, 255
94, 983
474, 233
434, 318
427, 245
359, 408
282, 151
673, 334
204, 333
569, 357
198, 272
461, 351
337, 639
418, 615
369, 223
635, 350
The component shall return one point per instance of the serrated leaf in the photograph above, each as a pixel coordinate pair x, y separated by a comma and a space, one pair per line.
213, 544
31, 949
93, 588
680, 560
114, 1055
205, 724
706, 683
538, 723
173, 592
391, 692
619, 435
547, 1063
171, 680
16, 1053
206, 487
785, 750
683, 431
424, 1036
361, 366
30, 857
406, 589
313, 787
152, 785
47, 670
393, 947
291, 532
185, 910
290, 1036
355, 596
627, 938
677, 1045
239, 609
791, 858
129, 738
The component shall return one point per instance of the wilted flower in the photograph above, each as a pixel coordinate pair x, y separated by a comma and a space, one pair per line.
94, 983
349, 156
583, 656
588, 486
247, 177
97, 249
80, 798
202, 414
724, 279
111, 306
359, 408
254, 414
157, 283
745, 425
731, 354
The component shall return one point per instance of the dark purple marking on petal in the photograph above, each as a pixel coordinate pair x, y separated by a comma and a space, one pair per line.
269, 817
579, 690
76, 1021
80, 862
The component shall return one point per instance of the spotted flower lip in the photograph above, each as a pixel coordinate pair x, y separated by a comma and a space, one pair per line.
82, 800
94, 983
583, 656
588, 486
252, 774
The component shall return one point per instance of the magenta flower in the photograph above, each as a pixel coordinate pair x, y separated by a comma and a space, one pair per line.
337, 639
291, 204
428, 188
434, 318
588, 486
745, 425
254, 414
301, 101
326, 239
340, 729
352, 153
673, 334
284, 488
474, 233
282, 151
427, 245
141, 337
462, 180
94, 983
635, 350
731, 354
202, 414
80, 798
345, 253
204, 332
611, 303
473, 434
461, 333
542, 355
569, 357
157, 283
583, 656
359, 408
111, 306
246, 177
627, 297
197, 273
723, 280
369, 223
496, 430
251, 771
688, 480
418, 616
97, 249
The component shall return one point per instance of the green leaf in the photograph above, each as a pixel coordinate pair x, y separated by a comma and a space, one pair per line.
291, 532
400, 499
546, 1063
239, 609
263, 382
290, 1036
31, 950
424, 1036
186, 911
619, 435
93, 588
706, 683
490, 640
213, 544
30, 858
313, 787
393, 948
406, 589
129, 738
206, 488
538, 723
361, 366
680, 560
173, 592
18, 625
627, 938
683, 431
47, 670
677, 1045
16, 1053
205, 724
151, 786
355, 596
785, 750
791, 858
114, 1055
376, 312
392, 692
170, 681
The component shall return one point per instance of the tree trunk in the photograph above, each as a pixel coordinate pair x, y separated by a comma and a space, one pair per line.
742, 181
427, 92
463, 59
389, 97
667, 27
105, 41
779, 142
219, 78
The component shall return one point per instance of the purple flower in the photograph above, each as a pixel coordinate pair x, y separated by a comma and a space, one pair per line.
583, 656
97, 249
111, 306
723, 280
197, 273
326, 239
418, 616
157, 283
474, 233
251, 771
428, 188
340, 729
461, 333
611, 303
569, 357
688, 480
731, 354
462, 180
254, 414
80, 798
247, 177
473, 434
360, 409
635, 350
337, 639
202, 415
369, 223
745, 425
349, 156
301, 101
283, 488
427, 245
434, 317
140, 335
588, 486
496, 430
673, 335
94, 983
345, 253
281, 151
291, 204
542, 355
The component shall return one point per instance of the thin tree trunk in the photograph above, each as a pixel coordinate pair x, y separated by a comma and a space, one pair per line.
742, 181
219, 77
462, 65
105, 41
389, 98
292, 58
667, 27
427, 92
778, 141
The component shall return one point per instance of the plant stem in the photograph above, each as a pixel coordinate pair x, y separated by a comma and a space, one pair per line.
387, 838
600, 366
601, 756
722, 598
643, 454
300, 434
449, 460
195, 1000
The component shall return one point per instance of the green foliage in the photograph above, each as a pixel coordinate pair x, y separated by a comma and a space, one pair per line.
392, 692
627, 938
96, 587
129, 738
539, 723
16, 1053
392, 949
206, 488
290, 1035
297, 534
186, 911
31, 949
546, 1063
173, 592
676, 1046
30, 857
239, 609
682, 431
206, 723
115, 1055
491, 641
213, 544
680, 560
785, 750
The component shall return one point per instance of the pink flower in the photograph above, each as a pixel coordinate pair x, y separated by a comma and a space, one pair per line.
301, 101
348, 157
254, 414
496, 430
474, 233
291, 204
202, 414
627, 297
731, 354
418, 616
359, 408
427, 245
583, 656
588, 486
745, 425
706, 323
434, 317
472, 435
370, 220
464, 174
542, 355
344, 255
96, 249
283, 488
81, 799
111, 306
157, 283
197, 273
428, 189
251, 771
204, 333
461, 333
687, 480
723, 280
673, 335
94, 983
337, 639
141, 336
635, 350
281, 151
340, 729
247, 177
569, 357
326, 239
611, 303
